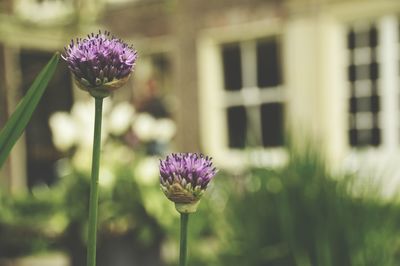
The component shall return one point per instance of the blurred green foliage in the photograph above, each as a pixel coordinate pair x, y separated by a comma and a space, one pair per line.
301, 215
26, 224
298, 214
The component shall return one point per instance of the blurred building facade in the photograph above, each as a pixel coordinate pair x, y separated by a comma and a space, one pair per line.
240, 78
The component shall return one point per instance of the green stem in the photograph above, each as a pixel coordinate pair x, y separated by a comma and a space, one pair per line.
183, 246
94, 186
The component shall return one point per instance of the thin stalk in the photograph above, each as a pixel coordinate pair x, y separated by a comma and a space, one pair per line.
94, 186
183, 244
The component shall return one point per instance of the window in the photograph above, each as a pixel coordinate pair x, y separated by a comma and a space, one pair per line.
252, 93
363, 75
373, 79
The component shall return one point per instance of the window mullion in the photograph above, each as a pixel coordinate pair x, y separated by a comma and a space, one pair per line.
249, 90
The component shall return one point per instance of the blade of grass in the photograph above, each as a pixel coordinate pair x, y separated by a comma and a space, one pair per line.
22, 114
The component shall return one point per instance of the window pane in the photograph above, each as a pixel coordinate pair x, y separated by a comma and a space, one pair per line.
237, 126
353, 137
373, 37
363, 72
268, 64
232, 67
353, 105
375, 107
362, 39
272, 124
369, 137
363, 104
351, 40
374, 71
352, 73
376, 137
365, 137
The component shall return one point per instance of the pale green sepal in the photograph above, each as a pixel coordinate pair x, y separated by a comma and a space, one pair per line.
187, 207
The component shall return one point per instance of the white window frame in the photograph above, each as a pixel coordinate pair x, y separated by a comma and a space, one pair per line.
212, 95
389, 91
378, 164
387, 82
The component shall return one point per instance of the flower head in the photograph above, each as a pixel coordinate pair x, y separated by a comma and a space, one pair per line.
184, 177
100, 62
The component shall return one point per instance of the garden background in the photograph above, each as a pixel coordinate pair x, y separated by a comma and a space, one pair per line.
297, 102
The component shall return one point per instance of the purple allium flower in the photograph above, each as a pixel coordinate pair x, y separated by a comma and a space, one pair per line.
100, 62
185, 176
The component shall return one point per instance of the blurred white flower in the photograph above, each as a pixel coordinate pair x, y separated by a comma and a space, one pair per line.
164, 129
144, 127
83, 115
120, 118
107, 104
64, 131
116, 155
106, 177
146, 172
82, 160
46, 11
63, 167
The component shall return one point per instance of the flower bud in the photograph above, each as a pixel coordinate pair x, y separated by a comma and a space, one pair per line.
184, 177
100, 63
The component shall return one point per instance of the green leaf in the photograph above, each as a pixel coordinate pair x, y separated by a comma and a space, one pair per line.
19, 119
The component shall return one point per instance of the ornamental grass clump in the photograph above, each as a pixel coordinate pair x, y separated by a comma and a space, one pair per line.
184, 177
100, 64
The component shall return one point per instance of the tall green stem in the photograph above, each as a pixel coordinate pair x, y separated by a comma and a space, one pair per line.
94, 186
183, 246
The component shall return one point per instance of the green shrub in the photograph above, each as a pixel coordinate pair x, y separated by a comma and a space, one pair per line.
301, 215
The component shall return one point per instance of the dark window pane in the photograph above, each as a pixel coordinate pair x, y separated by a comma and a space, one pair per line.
375, 120
232, 64
375, 104
362, 39
364, 104
376, 137
351, 40
353, 137
237, 126
373, 37
353, 105
268, 64
374, 71
272, 124
363, 72
352, 73
365, 137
